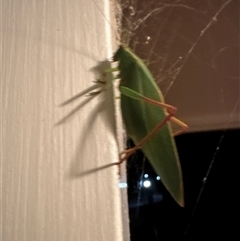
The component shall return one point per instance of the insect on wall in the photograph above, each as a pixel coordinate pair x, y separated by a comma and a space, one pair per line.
181, 44
147, 120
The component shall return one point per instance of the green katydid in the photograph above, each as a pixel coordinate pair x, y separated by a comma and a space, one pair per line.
146, 118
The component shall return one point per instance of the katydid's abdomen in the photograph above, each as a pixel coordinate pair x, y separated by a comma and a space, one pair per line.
141, 117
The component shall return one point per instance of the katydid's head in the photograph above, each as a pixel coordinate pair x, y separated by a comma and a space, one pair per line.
119, 53
126, 59
124, 54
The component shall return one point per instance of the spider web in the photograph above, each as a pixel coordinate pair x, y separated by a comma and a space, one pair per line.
192, 50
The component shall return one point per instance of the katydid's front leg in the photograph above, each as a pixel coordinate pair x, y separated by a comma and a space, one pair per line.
103, 81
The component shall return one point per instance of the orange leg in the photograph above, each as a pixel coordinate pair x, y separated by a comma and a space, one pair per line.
124, 155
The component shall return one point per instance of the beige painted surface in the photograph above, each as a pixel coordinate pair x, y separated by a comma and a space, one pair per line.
57, 183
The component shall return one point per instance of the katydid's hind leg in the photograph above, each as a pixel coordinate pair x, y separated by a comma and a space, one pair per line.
171, 110
138, 96
124, 155
181, 124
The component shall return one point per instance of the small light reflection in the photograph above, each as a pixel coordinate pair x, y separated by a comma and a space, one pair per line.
146, 184
122, 184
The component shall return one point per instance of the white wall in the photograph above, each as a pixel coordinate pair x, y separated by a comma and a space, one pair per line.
57, 183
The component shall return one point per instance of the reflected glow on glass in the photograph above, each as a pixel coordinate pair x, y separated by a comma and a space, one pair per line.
146, 184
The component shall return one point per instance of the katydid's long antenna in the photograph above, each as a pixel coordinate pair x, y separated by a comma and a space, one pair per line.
114, 30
